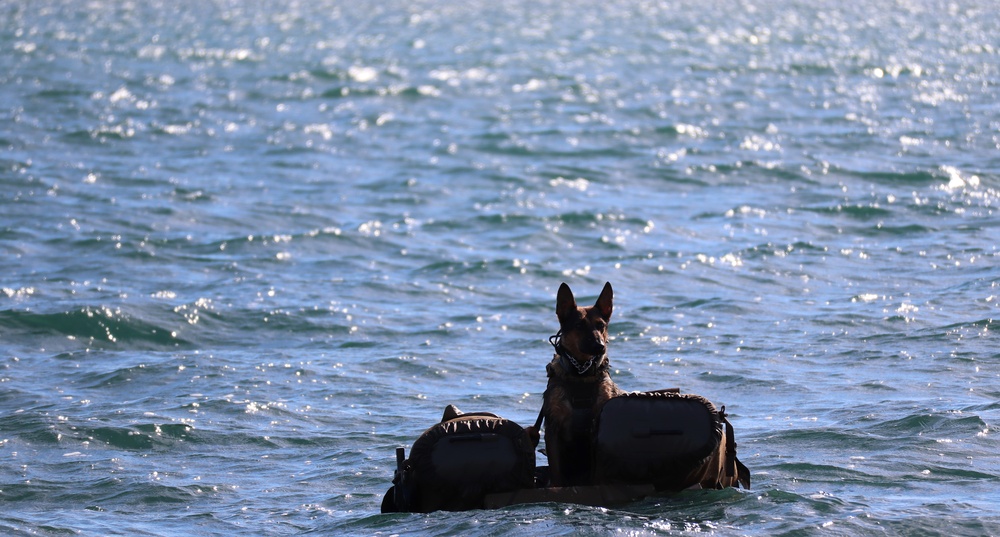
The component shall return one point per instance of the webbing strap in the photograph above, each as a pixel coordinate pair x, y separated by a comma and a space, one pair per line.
730, 444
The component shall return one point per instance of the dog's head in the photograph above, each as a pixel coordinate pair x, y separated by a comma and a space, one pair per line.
584, 330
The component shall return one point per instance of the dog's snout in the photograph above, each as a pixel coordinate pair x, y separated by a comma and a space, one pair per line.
600, 342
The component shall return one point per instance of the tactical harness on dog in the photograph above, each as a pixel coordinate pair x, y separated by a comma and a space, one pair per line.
580, 387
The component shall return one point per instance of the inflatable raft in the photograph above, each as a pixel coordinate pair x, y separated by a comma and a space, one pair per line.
642, 444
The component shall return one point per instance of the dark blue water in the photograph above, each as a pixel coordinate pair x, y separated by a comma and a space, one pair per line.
247, 249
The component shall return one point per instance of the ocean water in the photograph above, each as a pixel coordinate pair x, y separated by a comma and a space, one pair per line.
247, 249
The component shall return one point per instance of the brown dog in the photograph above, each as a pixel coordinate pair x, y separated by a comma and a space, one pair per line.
578, 386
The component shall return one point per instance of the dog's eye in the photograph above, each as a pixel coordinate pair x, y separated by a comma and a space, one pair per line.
600, 325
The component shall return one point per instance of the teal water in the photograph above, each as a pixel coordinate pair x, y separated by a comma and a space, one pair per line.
249, 249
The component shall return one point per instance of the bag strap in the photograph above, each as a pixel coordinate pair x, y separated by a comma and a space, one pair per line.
730, 443
734, 468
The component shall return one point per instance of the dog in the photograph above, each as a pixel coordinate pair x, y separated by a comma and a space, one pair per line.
579, 385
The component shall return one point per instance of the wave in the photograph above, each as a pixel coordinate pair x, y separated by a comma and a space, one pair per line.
139, 437
89, 324
164, 323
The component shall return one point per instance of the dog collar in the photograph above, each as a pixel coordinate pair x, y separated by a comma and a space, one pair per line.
565, 356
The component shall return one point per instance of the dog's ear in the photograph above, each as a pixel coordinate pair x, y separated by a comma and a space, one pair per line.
605, 302
565, 303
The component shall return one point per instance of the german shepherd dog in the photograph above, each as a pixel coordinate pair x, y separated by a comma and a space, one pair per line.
579, 384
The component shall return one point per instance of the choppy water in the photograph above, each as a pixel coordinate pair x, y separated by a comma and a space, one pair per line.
249, 248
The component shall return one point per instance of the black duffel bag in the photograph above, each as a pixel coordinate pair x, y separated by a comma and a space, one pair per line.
674, 441
453, 465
